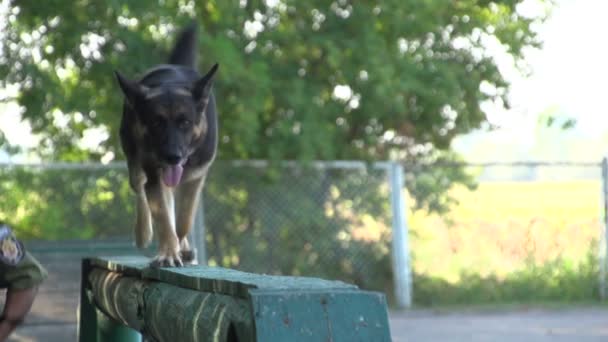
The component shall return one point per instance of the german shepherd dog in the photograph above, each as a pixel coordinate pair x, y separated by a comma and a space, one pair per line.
168, 133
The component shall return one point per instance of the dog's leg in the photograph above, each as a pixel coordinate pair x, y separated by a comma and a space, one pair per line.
160, 198
188, 196
143, 222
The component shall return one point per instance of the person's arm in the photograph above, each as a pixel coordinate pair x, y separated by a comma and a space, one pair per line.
17, 306
21, 274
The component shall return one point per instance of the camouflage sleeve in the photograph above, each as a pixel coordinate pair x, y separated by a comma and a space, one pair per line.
18, 268
26, 274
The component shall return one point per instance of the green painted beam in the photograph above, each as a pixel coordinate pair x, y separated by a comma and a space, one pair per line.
339, 315
169, 313
213, 279
109, 330
87, 312
199, 303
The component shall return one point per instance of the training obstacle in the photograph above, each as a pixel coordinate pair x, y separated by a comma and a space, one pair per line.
122, 299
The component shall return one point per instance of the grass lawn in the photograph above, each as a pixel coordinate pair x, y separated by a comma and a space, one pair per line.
506, 228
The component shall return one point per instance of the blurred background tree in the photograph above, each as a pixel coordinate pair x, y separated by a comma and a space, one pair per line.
307, 80
394, 79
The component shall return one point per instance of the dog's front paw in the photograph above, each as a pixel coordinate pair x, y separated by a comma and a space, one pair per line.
167, 259
188, 256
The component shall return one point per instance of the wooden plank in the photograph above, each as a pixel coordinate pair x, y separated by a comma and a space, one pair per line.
213, 279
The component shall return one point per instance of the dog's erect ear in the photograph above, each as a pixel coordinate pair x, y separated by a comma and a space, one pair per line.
133, 91
202, 87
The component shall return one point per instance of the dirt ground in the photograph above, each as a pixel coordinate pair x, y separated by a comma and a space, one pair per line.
532, 325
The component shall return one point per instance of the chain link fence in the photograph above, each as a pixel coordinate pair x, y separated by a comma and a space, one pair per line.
325, 221
333, 220
330, 220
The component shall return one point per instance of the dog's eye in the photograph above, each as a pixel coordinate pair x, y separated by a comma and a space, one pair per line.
184, 123
157, 121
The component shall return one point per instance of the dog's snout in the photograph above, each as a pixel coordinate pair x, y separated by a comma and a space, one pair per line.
172, 158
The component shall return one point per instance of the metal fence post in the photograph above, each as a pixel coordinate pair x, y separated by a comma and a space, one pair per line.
401, 252
603, 250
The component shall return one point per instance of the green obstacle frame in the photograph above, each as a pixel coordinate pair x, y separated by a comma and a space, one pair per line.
122, 299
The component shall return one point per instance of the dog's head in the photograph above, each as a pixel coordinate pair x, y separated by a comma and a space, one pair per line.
170, 119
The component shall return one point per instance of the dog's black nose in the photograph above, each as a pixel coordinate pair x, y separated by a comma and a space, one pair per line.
173, 158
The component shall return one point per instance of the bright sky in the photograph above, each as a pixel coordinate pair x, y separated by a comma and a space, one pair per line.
569, 75
572, 68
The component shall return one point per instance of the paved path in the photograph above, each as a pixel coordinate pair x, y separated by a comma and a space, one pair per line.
578, 324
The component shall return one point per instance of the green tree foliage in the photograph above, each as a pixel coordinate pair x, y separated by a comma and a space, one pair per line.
56, 204
302, 80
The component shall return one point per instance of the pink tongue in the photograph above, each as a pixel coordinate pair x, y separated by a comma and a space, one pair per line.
172, 175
